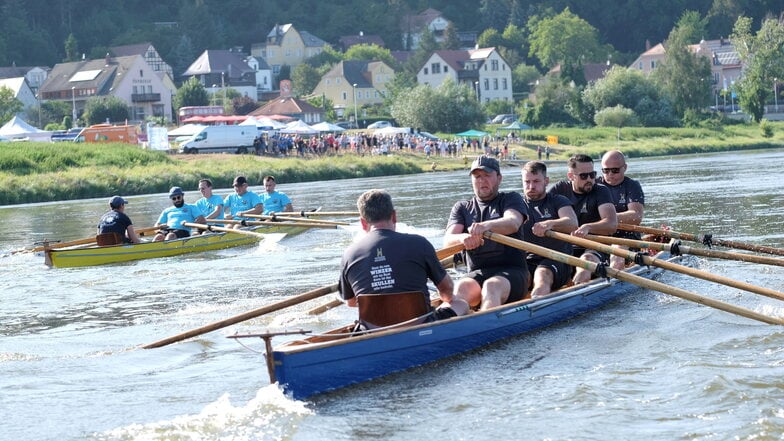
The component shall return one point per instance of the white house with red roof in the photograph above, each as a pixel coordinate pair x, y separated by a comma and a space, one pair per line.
484, 69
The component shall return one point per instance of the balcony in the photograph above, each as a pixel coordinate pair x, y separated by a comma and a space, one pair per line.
145, 97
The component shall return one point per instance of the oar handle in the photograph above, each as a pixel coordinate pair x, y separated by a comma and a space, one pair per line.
304, 297
295, 219
703, 239
631, 278
327, 213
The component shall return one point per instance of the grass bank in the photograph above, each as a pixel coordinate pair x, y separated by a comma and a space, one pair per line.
42, 172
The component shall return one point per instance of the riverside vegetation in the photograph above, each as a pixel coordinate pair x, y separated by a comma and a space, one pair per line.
42, 172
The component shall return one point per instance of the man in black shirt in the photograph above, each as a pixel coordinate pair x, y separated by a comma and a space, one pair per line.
116, 221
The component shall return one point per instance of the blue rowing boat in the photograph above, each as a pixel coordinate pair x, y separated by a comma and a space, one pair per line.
336, 359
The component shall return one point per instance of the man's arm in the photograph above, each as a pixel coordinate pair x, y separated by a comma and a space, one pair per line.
606, 226
131, 233
445, 289
509, 223
633, 215
565, 223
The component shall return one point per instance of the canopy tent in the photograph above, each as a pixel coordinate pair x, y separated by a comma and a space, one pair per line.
517, 125
263, 123
216, 119
186, 130
392, 131
325, 126
17, 128
300, 128
472, 134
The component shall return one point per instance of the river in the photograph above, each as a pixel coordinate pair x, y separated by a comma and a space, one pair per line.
649, 366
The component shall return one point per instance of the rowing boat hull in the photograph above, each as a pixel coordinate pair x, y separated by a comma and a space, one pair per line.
95, 255
304, 370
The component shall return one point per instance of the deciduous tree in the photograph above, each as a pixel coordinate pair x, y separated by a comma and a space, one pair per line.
101, 109
191, 93
9, 105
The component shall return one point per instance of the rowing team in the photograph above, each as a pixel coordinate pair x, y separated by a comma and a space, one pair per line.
238, 205
384, 261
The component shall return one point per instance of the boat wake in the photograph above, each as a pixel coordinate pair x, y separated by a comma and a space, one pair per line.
270, 415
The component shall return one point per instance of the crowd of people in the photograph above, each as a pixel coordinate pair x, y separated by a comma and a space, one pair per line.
581, 204
238, 205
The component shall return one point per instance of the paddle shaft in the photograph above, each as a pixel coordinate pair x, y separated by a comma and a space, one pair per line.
304, 297
295, 219
273, 224
631, 278
224, 229
684, 249
88, 240
702, 239
326, 213
443, 255
648, 260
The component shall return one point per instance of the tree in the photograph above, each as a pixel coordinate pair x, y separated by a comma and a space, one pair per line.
557, 102
370, 52
565, 38
683, 76
71, 48
9, 105
448, 108
523, 78
490, 37
304, 79
191, 93
451, 41
101, 109
243, 105
322, 102
630, 89
762, 57
617, 116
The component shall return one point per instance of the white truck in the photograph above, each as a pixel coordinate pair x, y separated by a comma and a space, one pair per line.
220, 139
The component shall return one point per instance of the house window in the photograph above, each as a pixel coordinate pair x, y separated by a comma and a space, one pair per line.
345, 96
494, 64
446, 68
367, 94
503, 84
288, 52
436, 68
138, 113
495, 83
328, 81
653, 64
640, 65
426, 71
337, 81
141, 73
487, 83
276, 68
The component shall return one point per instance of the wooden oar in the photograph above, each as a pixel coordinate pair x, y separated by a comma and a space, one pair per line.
676, 248
226, 230
272, 224
326, 213
705, 239
648, 260
444, 255
294, 219
291, 301
88, 240
631, 278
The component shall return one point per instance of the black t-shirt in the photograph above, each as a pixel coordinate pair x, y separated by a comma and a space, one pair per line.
542, 210
627, 191
385, 261
114, 222
492, 253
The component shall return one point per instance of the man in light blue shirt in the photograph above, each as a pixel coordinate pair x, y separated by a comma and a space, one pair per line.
274, 201
242, 202
175, 216
211, 205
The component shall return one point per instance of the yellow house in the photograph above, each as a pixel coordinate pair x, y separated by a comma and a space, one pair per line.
287, 46
355, 84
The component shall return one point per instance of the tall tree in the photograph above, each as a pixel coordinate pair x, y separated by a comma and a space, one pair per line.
101, 109
71, 48
448, 108
191, 93
450, 37
684, 76
370, 52
564, 38
763, 57
9, 105
304, 78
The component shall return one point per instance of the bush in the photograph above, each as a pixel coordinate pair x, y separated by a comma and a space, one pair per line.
766, 128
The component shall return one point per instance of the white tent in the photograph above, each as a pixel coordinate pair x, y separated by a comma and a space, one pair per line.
263, 123
17, 128
186, 130
325, 126
299, 127
392, 131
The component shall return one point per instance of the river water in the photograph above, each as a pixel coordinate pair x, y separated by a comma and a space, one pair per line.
647, 367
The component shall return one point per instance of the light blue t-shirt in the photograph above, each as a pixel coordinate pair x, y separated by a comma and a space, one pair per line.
207, 206
174, 217
237, 203
274, 202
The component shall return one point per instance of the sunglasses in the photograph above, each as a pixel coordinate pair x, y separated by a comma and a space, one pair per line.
584, 176
238, 185
176, 198
613, 170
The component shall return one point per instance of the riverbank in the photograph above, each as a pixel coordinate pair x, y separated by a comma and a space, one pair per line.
43, 172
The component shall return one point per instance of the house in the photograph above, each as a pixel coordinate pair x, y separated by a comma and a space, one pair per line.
347, 41
219, 69
287, 46
129, 78
287, 105
350, 83
412, 27
725, 63
152, 57
35, 75
21, 91
484, 70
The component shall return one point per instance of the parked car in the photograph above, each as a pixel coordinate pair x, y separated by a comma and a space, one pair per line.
380, 125
66, 135
509, 120
347, 124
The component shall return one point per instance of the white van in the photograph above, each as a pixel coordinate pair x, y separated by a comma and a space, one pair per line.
219, 139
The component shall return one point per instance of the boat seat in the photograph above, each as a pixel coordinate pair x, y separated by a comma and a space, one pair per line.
107, 239
381, 310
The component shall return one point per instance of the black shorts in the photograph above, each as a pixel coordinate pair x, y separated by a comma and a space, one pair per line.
604, 258
562, 272
179, 233
517, 277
